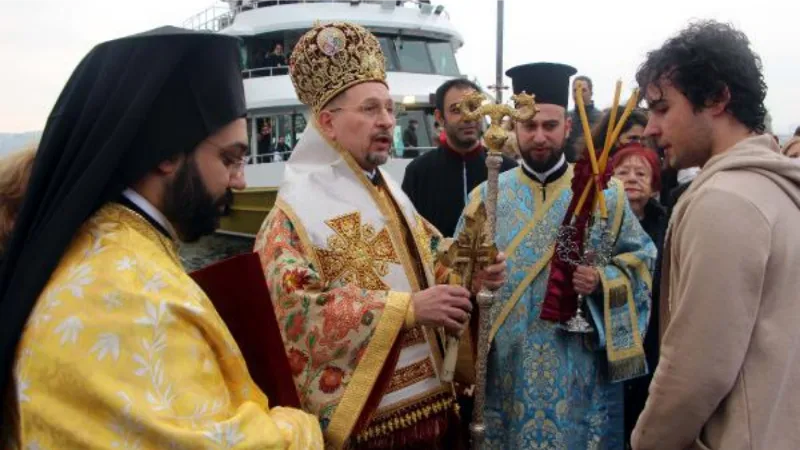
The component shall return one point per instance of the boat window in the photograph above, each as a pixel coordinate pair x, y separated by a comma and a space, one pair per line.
260, 59
276, 136
265, 55
388, 52
424, 132
413, 56
444, 59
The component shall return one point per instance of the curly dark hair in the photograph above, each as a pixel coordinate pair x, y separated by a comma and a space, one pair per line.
702, 61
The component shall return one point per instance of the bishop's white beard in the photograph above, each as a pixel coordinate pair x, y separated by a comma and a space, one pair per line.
377, 159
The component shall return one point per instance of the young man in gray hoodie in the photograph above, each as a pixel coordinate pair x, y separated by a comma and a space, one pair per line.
730, 359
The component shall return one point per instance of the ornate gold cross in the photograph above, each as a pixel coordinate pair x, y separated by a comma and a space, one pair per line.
356, 253
473, 109
472, 250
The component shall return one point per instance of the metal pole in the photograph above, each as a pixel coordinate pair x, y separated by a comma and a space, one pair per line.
498, 83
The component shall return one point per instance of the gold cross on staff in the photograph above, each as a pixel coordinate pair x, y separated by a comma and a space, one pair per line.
472, 250
473, 109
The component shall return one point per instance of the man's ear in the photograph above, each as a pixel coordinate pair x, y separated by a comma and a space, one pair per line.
170, 166
325, 122
439, 117
718, 106
568, 125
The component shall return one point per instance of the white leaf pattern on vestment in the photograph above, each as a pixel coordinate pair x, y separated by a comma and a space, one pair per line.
225, 436
126, 263
155, 284
34, 445
78, 277
69, 329
106, 343
22, 386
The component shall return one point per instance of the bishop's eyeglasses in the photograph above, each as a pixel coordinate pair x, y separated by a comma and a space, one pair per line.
372, 110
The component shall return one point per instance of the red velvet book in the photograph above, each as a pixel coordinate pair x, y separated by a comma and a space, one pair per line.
238, 290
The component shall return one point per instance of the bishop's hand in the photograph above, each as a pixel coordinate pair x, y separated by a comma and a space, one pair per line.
493, 276
442, 306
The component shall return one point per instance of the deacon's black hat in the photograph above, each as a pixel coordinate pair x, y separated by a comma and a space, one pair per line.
548, 81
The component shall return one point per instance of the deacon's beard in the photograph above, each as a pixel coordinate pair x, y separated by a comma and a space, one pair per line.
542, 166
190, 207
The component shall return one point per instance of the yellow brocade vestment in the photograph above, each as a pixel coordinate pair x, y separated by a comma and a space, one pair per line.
123, 350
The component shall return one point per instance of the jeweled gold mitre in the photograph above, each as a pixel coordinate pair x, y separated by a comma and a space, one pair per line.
332, 58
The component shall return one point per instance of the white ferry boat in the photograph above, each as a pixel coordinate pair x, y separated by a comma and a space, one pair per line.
419, 43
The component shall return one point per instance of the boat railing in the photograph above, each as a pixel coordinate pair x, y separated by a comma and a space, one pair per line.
265, 158
265, 72
218, 17
213, 18
271, 157
425, 5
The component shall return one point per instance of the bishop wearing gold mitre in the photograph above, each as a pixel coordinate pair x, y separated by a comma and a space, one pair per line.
350, 263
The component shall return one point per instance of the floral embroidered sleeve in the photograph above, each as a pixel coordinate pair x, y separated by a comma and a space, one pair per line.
327, 326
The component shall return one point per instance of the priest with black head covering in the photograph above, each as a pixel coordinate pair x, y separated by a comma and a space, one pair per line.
105, 341
439, 182
546, 387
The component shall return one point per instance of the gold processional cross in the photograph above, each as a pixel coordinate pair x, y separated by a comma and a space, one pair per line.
471, 251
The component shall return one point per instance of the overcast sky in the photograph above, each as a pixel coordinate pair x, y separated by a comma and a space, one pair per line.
41, 41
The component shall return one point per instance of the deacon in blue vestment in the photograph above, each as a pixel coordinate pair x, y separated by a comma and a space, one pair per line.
548, 388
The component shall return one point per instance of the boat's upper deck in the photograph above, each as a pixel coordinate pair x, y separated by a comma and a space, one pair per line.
252, 17
417, 38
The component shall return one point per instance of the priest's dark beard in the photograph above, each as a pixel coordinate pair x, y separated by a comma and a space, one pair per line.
542, 166
189, 206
